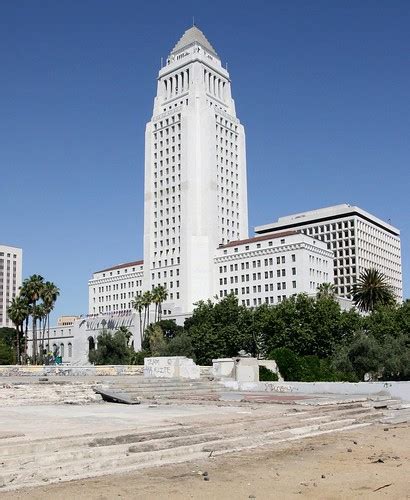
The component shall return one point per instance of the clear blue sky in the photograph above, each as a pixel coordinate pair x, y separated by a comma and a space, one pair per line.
321, 87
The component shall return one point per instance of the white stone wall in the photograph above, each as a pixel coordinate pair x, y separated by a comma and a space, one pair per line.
112, 290
11, 263
73, 341
358, 239
269, 269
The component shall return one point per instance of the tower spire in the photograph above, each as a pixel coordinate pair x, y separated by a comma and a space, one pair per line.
191, 36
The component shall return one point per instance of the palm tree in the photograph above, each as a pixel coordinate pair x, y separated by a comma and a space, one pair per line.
326, 290
146, 301
372, 289
18, 311
31, 289
49, 294
39, 313
161, 295
138, 304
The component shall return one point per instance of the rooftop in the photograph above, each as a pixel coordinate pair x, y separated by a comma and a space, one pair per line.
259, 238
191, 36
121, 266
322, 215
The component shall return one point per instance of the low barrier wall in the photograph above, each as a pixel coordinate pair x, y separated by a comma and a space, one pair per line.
44, 371
394, 389
72, 371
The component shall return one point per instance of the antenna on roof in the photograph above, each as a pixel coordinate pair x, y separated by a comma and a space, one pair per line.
193, 20
162, 62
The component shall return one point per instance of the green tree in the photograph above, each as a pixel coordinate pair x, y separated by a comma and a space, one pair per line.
6, 353
180, 345
326, 290
112, 349
49, 294
18, 311
170, 328
219, 329
157, 342
363, 355
138, 304
31, 290
158, 295
146, 302
371, 290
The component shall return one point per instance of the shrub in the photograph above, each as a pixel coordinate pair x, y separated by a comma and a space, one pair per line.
288, 363
180, 345
112, 349
6, 354
137, 358
294, 368
266, 375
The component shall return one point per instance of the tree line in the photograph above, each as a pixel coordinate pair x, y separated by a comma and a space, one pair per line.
30, 308
311, 338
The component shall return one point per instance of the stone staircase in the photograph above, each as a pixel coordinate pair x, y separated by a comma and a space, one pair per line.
154, 390
30, 462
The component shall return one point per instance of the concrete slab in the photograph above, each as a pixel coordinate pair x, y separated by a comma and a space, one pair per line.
65, 420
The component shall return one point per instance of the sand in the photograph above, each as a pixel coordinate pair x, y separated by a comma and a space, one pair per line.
371, 462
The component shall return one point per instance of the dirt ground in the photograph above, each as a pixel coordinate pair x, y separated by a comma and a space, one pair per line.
372, 462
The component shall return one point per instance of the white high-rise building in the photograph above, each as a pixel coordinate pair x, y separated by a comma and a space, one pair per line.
195, 174
196, 217
11, 263
358, 239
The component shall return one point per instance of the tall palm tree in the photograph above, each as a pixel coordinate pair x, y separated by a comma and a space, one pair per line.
155, 296
49, 295
147, 301
18, 311
326, 290
372, 289
138, 304
31, 289
161, 295
39, 314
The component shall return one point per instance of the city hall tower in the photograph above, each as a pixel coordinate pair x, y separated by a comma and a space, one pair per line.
195, 174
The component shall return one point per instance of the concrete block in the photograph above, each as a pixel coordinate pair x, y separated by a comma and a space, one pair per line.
223, 368
246, 370
171, 367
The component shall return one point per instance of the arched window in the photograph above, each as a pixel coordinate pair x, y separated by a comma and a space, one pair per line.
62, 350
91, 344
70, 349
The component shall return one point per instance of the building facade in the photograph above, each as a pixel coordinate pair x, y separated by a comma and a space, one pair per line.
195, 174
73, 342
358, 240
270, 268
196, 241
112, 289
11, 265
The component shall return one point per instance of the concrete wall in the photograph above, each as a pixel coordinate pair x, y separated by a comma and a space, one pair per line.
41, 371
102, 370
394, 389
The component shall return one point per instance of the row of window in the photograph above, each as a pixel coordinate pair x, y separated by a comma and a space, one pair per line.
257, 301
